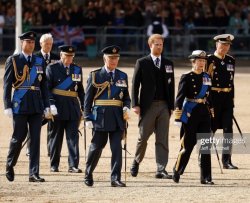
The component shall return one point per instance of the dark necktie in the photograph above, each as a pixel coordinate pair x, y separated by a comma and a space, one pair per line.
111, 75
29, 61
157, 62
67, 70
47, 58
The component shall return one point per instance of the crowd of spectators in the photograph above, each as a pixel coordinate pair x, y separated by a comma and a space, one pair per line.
185, 14
180, 17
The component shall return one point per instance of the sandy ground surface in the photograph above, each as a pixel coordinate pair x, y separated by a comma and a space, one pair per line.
231, 186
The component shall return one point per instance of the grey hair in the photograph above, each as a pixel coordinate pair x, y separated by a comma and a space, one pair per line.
45, 37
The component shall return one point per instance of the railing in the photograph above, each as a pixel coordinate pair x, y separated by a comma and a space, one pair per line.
132, 40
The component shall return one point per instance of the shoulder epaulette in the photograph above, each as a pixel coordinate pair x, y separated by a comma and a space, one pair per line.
95, 70
230, 56
188, 72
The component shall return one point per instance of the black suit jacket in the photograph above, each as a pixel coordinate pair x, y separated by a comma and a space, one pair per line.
144, 83
53, 57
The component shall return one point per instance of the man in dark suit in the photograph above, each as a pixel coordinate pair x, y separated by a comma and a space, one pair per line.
106, 108
26, 73
221, 68
46, 43
154, 103
65, 92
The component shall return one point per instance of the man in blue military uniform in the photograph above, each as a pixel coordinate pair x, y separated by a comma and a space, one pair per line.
65, 92
106, 108
25, 72
192, 111
221, 68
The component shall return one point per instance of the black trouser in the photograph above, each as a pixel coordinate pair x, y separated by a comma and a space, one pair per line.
20, 125
196, 124
72, 137
223, 111
98, 142
49, 131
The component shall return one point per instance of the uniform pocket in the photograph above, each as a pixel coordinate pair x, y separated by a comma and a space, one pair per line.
99, 122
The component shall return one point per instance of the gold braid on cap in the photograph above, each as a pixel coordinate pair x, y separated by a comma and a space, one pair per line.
20, 79
100, 87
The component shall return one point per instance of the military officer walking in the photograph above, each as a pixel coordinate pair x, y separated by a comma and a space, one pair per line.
221, 68
65, 92
192, 110
25, 72
107, 104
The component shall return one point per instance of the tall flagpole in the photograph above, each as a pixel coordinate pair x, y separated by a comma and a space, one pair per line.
18, 25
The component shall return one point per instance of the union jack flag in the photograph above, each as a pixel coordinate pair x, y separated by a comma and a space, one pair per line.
67, 35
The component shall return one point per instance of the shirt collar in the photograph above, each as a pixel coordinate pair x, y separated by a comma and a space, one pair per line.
43, 53
26, 56
108, 71
154, 57
218, 56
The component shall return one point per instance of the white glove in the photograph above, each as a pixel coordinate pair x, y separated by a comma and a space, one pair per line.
126, 113
8, 112
177, 123
53, 110
89, 124
47, 112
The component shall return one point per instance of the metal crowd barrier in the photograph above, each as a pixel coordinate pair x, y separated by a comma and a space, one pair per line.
132, 40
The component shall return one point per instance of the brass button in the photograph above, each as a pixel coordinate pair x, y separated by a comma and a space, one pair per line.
216, 79
218, 85
194, 86
192, 79
195, 92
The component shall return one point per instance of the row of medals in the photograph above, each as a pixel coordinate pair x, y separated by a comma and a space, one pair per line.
121, 93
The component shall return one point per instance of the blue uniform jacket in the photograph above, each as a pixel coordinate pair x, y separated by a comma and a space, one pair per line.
107, 118
68, 108
32, 101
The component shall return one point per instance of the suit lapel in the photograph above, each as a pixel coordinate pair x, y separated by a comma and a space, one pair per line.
104, 74
23, 61
33, 60
151, 67
61, 68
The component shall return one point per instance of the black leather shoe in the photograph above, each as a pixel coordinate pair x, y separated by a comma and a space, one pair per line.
229, 166
36, 178
134, 168
117, 183
54, 169
163, 175
10, 175
74, 170
89, 182
207, 182
176, 177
